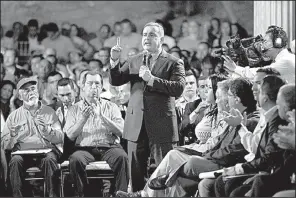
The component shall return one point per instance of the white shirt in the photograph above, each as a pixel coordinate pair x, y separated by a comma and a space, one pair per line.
250, 140
284, 63
34, 44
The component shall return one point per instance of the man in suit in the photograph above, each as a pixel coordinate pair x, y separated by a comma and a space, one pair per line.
157, 78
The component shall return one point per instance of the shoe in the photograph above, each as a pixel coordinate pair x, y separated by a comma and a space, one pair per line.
125, 194
158, 183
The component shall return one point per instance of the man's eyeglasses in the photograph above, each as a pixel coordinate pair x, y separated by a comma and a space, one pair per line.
97, 84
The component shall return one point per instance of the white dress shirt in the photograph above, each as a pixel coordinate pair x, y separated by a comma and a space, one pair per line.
250, 140
284, 63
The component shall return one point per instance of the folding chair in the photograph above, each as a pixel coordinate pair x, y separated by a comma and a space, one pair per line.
35, 173
94, 170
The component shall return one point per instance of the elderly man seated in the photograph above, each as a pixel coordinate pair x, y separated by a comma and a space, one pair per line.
32, 126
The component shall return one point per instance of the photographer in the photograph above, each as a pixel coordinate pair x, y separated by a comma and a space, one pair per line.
274, 46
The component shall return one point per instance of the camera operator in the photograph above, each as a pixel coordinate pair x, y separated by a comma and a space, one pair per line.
274, 46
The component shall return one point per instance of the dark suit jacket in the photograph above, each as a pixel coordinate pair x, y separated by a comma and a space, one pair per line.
229, 150
156, 104
185, 128
268, 155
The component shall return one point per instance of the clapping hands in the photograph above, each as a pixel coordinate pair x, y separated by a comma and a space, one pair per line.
285, 137
235, 118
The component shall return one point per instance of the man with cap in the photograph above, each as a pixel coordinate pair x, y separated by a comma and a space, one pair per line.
32, 126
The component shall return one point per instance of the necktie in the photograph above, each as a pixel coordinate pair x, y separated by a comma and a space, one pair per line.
148, 61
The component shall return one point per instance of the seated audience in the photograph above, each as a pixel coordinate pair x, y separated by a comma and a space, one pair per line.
191, 42
203, 50
65, 99
183, 32
13, 72
195, 111
34, 61
3, 167
237, 29
222, 105
224, 37
95, 125
213, 30
189, 94
171, 162
6, 90
104, 56
128, 39
49, 51
226, 152
62, 69
50, 93
80, 44
111, 41
207, 67
44, 69
65, 28
34, 44
32, 126
170, 41
63, 45
261, 148
102, 35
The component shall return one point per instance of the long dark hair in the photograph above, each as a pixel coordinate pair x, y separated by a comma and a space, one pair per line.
215, 78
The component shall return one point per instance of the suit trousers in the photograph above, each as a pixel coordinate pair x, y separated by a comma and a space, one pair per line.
19, 164
232, 187
268, 185
115, 156
138, 153
206, 188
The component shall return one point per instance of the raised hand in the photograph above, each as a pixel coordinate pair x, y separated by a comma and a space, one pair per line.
116, 50
229, 63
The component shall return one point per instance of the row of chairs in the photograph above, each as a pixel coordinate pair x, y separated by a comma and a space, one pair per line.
95, 170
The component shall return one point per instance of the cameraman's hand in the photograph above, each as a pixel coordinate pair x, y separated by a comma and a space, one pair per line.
116, 51
229, 64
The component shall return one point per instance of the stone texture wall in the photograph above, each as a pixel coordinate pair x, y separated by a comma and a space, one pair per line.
91, 14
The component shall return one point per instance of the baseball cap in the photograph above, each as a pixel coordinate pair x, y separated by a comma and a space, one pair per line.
23, 81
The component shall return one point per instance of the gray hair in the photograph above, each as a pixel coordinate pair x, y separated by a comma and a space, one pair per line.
288, 93
161, 30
